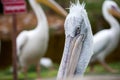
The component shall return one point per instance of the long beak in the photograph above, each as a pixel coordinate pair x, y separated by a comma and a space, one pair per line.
115, 12
71, 54
54, 5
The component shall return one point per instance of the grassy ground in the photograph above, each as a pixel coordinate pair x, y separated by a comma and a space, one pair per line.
47, 73
99, 70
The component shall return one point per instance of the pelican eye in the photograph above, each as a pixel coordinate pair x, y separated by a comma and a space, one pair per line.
77, 31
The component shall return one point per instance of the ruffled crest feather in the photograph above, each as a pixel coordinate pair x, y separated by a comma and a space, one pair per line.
76, 6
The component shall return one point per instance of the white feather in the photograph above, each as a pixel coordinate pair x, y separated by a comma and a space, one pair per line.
46, 62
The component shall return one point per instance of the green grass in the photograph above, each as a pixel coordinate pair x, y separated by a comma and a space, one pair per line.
47, 73
100, 70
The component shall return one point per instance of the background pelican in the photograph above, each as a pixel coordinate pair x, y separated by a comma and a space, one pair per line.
31, 45
78, 44
106, 41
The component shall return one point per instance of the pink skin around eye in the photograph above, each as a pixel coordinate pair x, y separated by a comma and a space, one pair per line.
113, 7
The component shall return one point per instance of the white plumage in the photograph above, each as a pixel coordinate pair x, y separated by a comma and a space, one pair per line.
106, 41
32, 44
78, 47
46, 62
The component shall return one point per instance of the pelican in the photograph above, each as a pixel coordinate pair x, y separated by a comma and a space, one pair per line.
78, 47
106, 41
32, 44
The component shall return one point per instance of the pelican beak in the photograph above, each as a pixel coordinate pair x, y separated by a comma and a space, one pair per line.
71, 54
54, 5
115, 12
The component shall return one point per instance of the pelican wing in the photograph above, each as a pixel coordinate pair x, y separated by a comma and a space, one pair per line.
21, 41
101, 41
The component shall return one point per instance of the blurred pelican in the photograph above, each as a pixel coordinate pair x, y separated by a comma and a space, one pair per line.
106, 41
78, 44
32, 45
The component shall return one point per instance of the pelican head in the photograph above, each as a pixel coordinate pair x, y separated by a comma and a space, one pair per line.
78, 43
74, 21
110, 7
55, 6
